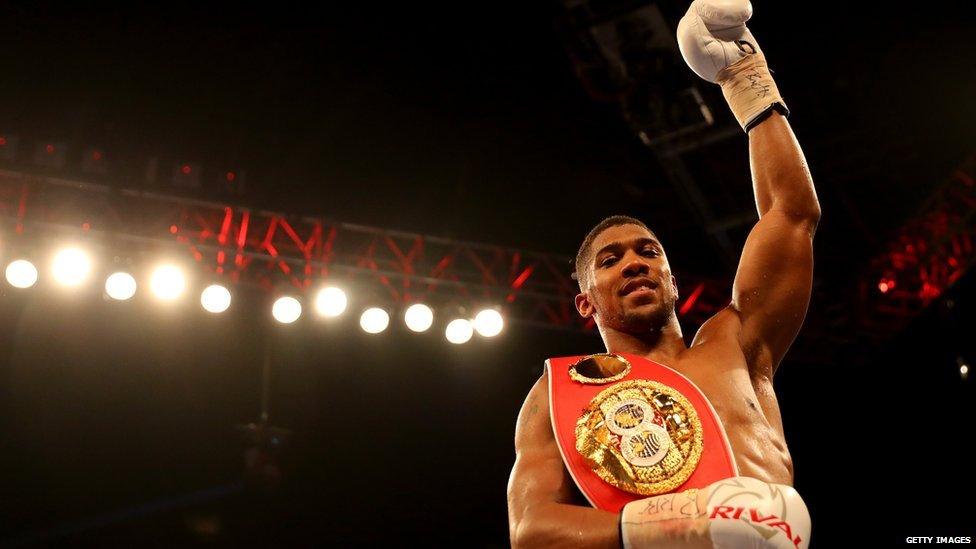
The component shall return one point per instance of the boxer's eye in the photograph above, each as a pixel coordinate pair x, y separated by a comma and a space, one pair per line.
608, 261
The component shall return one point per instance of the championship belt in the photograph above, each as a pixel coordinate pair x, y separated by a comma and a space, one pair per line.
629, 428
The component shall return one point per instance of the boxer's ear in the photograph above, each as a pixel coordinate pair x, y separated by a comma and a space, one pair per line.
583, 305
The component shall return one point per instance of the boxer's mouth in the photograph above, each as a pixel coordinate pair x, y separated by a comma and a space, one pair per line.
638, 284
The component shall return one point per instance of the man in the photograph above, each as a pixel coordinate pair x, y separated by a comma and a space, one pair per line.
627, 287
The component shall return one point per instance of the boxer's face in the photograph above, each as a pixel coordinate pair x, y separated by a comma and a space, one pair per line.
629, 285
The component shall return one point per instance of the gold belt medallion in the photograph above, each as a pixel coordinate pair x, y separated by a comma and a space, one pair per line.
641, 436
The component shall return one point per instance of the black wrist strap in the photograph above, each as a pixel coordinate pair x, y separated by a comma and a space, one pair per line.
775, 107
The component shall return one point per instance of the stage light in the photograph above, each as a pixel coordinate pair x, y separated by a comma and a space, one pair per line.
120, 286
489, 323
215, 298
963, 368
50, 155
186, 175
167, 282
71, 267
330, 302
286, 310
374, 320
459, 331
418, 317
886, 285
8, 147
231, 181
21, 274
93, 161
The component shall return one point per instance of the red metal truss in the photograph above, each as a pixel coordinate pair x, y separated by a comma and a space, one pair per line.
272, 249
929, 252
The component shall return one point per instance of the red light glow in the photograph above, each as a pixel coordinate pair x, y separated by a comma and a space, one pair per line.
186, 169
885, 285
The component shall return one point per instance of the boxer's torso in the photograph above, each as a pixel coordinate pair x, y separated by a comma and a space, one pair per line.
740, 388
738, 384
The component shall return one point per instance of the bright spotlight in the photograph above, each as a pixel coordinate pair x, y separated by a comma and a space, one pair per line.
120, 286
71, 267
215, 298
330, 301
418, 317
459, 331
374, 320
21, 274
286, 310
167, 282
489, 323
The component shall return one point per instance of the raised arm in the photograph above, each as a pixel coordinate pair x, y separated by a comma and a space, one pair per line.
540, 512
772, 286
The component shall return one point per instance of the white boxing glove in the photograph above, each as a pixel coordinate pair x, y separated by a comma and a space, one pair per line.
733, 513
717, 45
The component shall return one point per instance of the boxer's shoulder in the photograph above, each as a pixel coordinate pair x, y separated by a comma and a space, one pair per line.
533, 417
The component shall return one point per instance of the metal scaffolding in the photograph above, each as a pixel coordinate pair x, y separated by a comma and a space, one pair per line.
285, 253
927, 254
279, 252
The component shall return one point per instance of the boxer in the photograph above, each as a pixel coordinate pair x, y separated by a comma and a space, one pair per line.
627, 287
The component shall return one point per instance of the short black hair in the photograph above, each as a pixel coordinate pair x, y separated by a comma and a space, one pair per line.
584, 253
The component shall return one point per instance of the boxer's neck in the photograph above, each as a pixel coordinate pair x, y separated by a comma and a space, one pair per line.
662, 345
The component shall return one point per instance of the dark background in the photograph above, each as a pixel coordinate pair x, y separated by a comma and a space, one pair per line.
464, 121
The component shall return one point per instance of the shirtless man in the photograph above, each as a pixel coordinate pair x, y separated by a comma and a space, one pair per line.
627, 287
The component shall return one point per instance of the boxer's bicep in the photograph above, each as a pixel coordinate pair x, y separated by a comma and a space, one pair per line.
773, 283
538, 478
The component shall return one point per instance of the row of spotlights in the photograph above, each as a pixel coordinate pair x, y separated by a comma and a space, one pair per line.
418, 318
166, 282
71, 267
